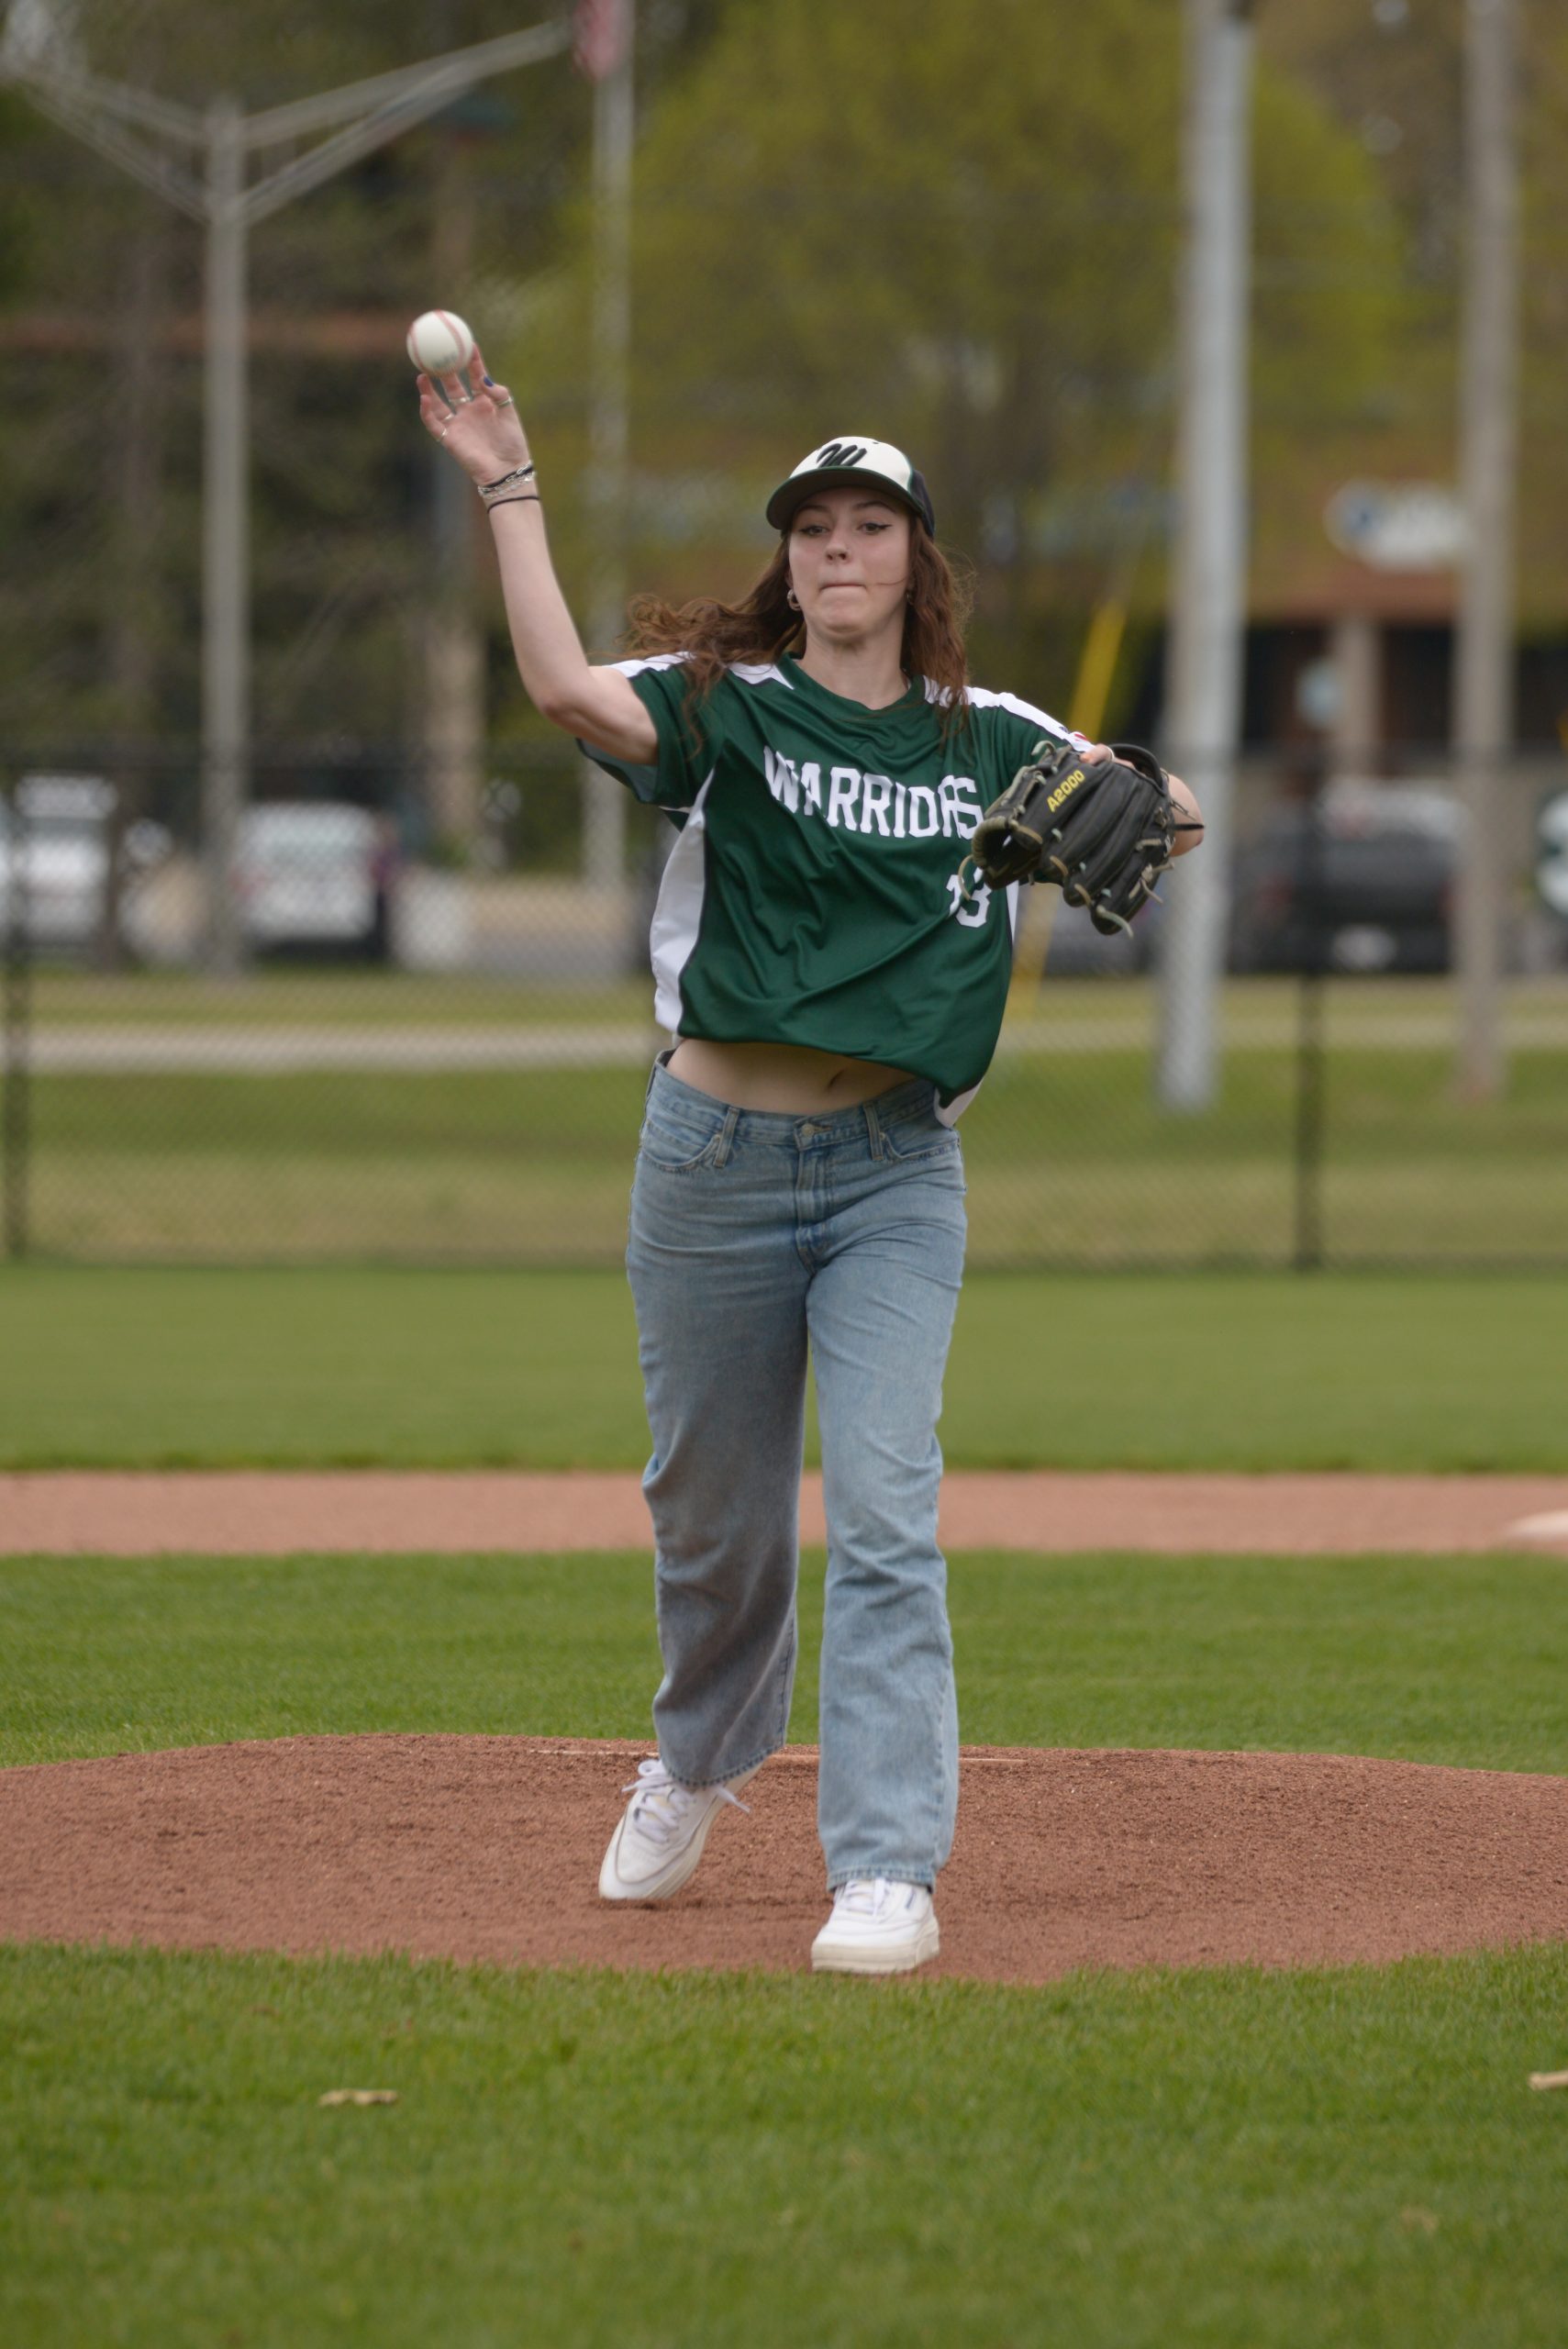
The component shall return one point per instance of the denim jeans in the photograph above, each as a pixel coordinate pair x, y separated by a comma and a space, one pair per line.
754, 1236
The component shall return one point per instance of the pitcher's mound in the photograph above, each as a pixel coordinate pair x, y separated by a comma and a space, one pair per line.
489, 1848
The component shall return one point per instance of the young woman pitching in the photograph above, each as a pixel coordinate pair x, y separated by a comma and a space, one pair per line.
833, 984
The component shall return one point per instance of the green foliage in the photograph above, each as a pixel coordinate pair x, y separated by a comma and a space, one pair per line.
871, 218
1329, 307
100, 629
1398, 86
20, 222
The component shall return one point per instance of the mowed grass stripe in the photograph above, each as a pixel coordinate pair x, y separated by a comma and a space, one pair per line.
1153, 2160
1462, 1660
1071, 1157
398, 1368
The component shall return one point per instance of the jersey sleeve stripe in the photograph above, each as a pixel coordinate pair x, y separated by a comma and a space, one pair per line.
981, 698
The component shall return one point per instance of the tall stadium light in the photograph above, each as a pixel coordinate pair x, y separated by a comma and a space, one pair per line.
202, 163
1207, 595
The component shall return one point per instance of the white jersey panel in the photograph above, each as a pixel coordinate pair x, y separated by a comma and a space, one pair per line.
641, 661
677, 915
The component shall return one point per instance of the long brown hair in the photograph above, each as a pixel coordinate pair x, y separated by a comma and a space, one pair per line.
764, 624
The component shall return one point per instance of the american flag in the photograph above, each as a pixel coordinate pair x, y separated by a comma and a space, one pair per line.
599, 32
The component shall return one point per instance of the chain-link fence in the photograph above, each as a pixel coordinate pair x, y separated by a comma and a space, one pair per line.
436, 1041
430, 1059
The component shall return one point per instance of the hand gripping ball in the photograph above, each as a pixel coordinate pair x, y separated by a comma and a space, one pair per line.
439, 343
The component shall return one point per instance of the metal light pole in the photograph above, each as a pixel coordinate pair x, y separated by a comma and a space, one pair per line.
604, 799
1484, 663
225, 534
166, 146
1208, 566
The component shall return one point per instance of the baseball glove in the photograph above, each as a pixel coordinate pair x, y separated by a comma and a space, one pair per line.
1104, 831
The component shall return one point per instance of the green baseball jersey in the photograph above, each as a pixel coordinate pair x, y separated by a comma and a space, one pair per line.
814, 895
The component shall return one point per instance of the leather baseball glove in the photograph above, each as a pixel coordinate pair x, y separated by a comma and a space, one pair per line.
1104, 830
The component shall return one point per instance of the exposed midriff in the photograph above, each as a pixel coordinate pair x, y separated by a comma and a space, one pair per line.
790, 1079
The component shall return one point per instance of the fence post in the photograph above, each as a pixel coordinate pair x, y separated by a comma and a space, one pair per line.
15, 1040
1307, 1254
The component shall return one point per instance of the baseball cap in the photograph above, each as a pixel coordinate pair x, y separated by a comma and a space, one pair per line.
854, 458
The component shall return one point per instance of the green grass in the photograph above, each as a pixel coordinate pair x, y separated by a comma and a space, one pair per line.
1069, 1161
1337, 2159
467, 1368
1192, 2161
1431, 1659
303, 993
1214, 2160
284, 996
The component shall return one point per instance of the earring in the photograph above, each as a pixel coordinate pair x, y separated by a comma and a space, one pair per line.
792, 599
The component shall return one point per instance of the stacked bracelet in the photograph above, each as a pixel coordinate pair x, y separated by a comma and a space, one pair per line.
490, 492
523, 497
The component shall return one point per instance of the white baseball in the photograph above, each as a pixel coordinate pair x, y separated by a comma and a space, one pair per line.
439, 343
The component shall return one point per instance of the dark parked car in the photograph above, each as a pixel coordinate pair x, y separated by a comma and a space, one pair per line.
1364, 886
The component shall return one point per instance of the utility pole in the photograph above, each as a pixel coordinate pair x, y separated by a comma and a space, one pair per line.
605, 51
453, 633
1208, 561
200, 163
225, 534
1484, 663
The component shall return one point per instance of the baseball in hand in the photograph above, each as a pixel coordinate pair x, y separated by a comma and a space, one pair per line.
439, 342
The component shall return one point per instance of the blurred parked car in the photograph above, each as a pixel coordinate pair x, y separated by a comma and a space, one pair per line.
1363, 885
54, 859
315, 876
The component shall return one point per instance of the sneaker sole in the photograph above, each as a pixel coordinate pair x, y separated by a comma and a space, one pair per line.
846, 1957
668, 1880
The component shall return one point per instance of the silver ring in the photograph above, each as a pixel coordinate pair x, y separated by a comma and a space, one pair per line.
507, 402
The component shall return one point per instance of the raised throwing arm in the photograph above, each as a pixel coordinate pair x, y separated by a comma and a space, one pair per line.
477, 424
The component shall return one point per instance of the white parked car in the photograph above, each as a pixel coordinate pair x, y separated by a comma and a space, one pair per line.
54, 851
307, 873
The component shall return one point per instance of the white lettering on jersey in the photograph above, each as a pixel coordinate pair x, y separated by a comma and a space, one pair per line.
842, 793
972, 913
959, 813
783, 780
866, 803
877, 791
923, 806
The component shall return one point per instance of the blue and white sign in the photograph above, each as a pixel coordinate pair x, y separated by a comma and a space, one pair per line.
1397, 525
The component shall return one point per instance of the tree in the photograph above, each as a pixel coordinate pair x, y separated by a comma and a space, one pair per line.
959, 234
100, 347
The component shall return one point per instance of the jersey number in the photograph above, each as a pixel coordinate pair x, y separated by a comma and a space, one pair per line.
970, 910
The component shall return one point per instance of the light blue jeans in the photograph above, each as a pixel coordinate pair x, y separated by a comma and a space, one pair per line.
754, 1235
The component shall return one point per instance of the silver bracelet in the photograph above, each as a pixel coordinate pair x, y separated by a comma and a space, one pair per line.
491, 490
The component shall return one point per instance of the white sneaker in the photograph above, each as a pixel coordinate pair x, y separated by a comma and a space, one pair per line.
877, 1927
662, 1829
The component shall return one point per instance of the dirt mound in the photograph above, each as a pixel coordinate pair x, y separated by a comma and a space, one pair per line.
488, 1848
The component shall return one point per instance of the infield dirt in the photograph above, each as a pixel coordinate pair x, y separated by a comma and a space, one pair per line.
487, 1849
254, 1513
